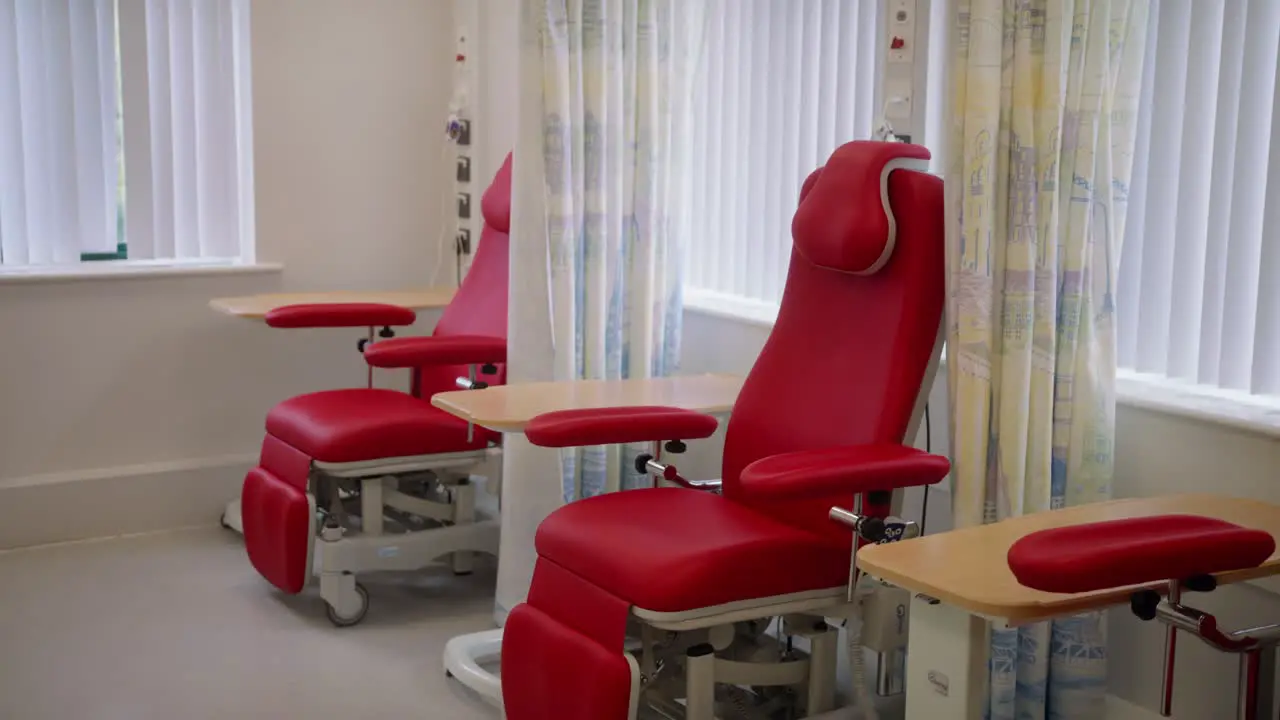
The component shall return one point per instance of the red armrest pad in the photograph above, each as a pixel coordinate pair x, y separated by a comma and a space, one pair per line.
436, 350
318, 315
609, 426
811, 474
1135, 551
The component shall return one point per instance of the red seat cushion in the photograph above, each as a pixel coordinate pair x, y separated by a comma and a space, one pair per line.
1134, 551
673, 549
368, 424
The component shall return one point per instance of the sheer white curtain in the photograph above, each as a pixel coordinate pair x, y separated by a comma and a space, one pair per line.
1199, 278
158, 85
782, 84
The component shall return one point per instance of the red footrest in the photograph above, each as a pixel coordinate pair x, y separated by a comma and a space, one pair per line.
1135, 551
609, 426
544, 661
277, 519
328, 315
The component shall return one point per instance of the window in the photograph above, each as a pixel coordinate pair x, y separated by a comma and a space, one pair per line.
124, 131
1198, 292
1198, 286
781, 85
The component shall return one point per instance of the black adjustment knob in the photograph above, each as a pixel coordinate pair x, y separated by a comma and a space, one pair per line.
1201, 583
479, 385
675, 447
871, 529
386, 332
1143, 604
642, 463
880, 497
361, 343
700, 650
489, 369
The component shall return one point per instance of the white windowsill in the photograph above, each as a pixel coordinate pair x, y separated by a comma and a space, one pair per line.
1149, 392
1199, 402
122, 269
731, 307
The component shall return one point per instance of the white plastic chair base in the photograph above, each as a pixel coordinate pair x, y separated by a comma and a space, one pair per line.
463, 656
231, 517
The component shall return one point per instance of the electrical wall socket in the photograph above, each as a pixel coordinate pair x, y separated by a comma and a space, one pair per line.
463, 241
464, 206
464, 169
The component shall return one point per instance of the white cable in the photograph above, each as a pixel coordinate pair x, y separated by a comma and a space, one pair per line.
445, 220
865, 701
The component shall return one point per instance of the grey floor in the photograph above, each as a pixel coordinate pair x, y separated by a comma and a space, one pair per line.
179, 626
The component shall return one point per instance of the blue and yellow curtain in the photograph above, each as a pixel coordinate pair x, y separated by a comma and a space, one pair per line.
615, 79
1044, 106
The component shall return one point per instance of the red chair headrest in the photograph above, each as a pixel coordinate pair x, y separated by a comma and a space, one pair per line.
844, 221
496, 203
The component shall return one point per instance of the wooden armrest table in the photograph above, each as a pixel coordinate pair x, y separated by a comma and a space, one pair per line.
960, 582
256, 307
508, 409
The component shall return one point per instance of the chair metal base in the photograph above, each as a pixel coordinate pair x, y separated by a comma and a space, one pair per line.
231, 517
463, 656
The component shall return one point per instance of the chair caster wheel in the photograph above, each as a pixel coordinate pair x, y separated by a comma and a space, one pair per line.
356, 617
448, 674
222, 520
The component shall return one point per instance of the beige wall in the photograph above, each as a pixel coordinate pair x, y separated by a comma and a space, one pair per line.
107, 378
495, 94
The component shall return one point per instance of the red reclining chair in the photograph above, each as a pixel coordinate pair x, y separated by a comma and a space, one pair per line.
664, 594
365, 479
369, 316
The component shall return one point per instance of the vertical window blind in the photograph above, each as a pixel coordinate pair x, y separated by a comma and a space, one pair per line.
1199, 278
58, 142
780, 86
124, 130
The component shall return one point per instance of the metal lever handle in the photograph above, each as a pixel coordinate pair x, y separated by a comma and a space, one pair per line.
471, 383
646, 465
868, 528
876, 530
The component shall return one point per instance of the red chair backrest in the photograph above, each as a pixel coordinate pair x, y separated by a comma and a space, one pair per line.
480, 305
858, 324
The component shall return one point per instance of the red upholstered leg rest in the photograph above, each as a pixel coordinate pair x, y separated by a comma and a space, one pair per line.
277, 516
562, 656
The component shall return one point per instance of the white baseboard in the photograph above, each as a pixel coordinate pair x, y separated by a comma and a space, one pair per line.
1117, 709
105, 502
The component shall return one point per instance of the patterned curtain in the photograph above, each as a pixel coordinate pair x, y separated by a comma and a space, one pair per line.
1044, 113
615, 79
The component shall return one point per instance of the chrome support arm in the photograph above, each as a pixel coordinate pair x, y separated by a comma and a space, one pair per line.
1256, 646
646, 464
